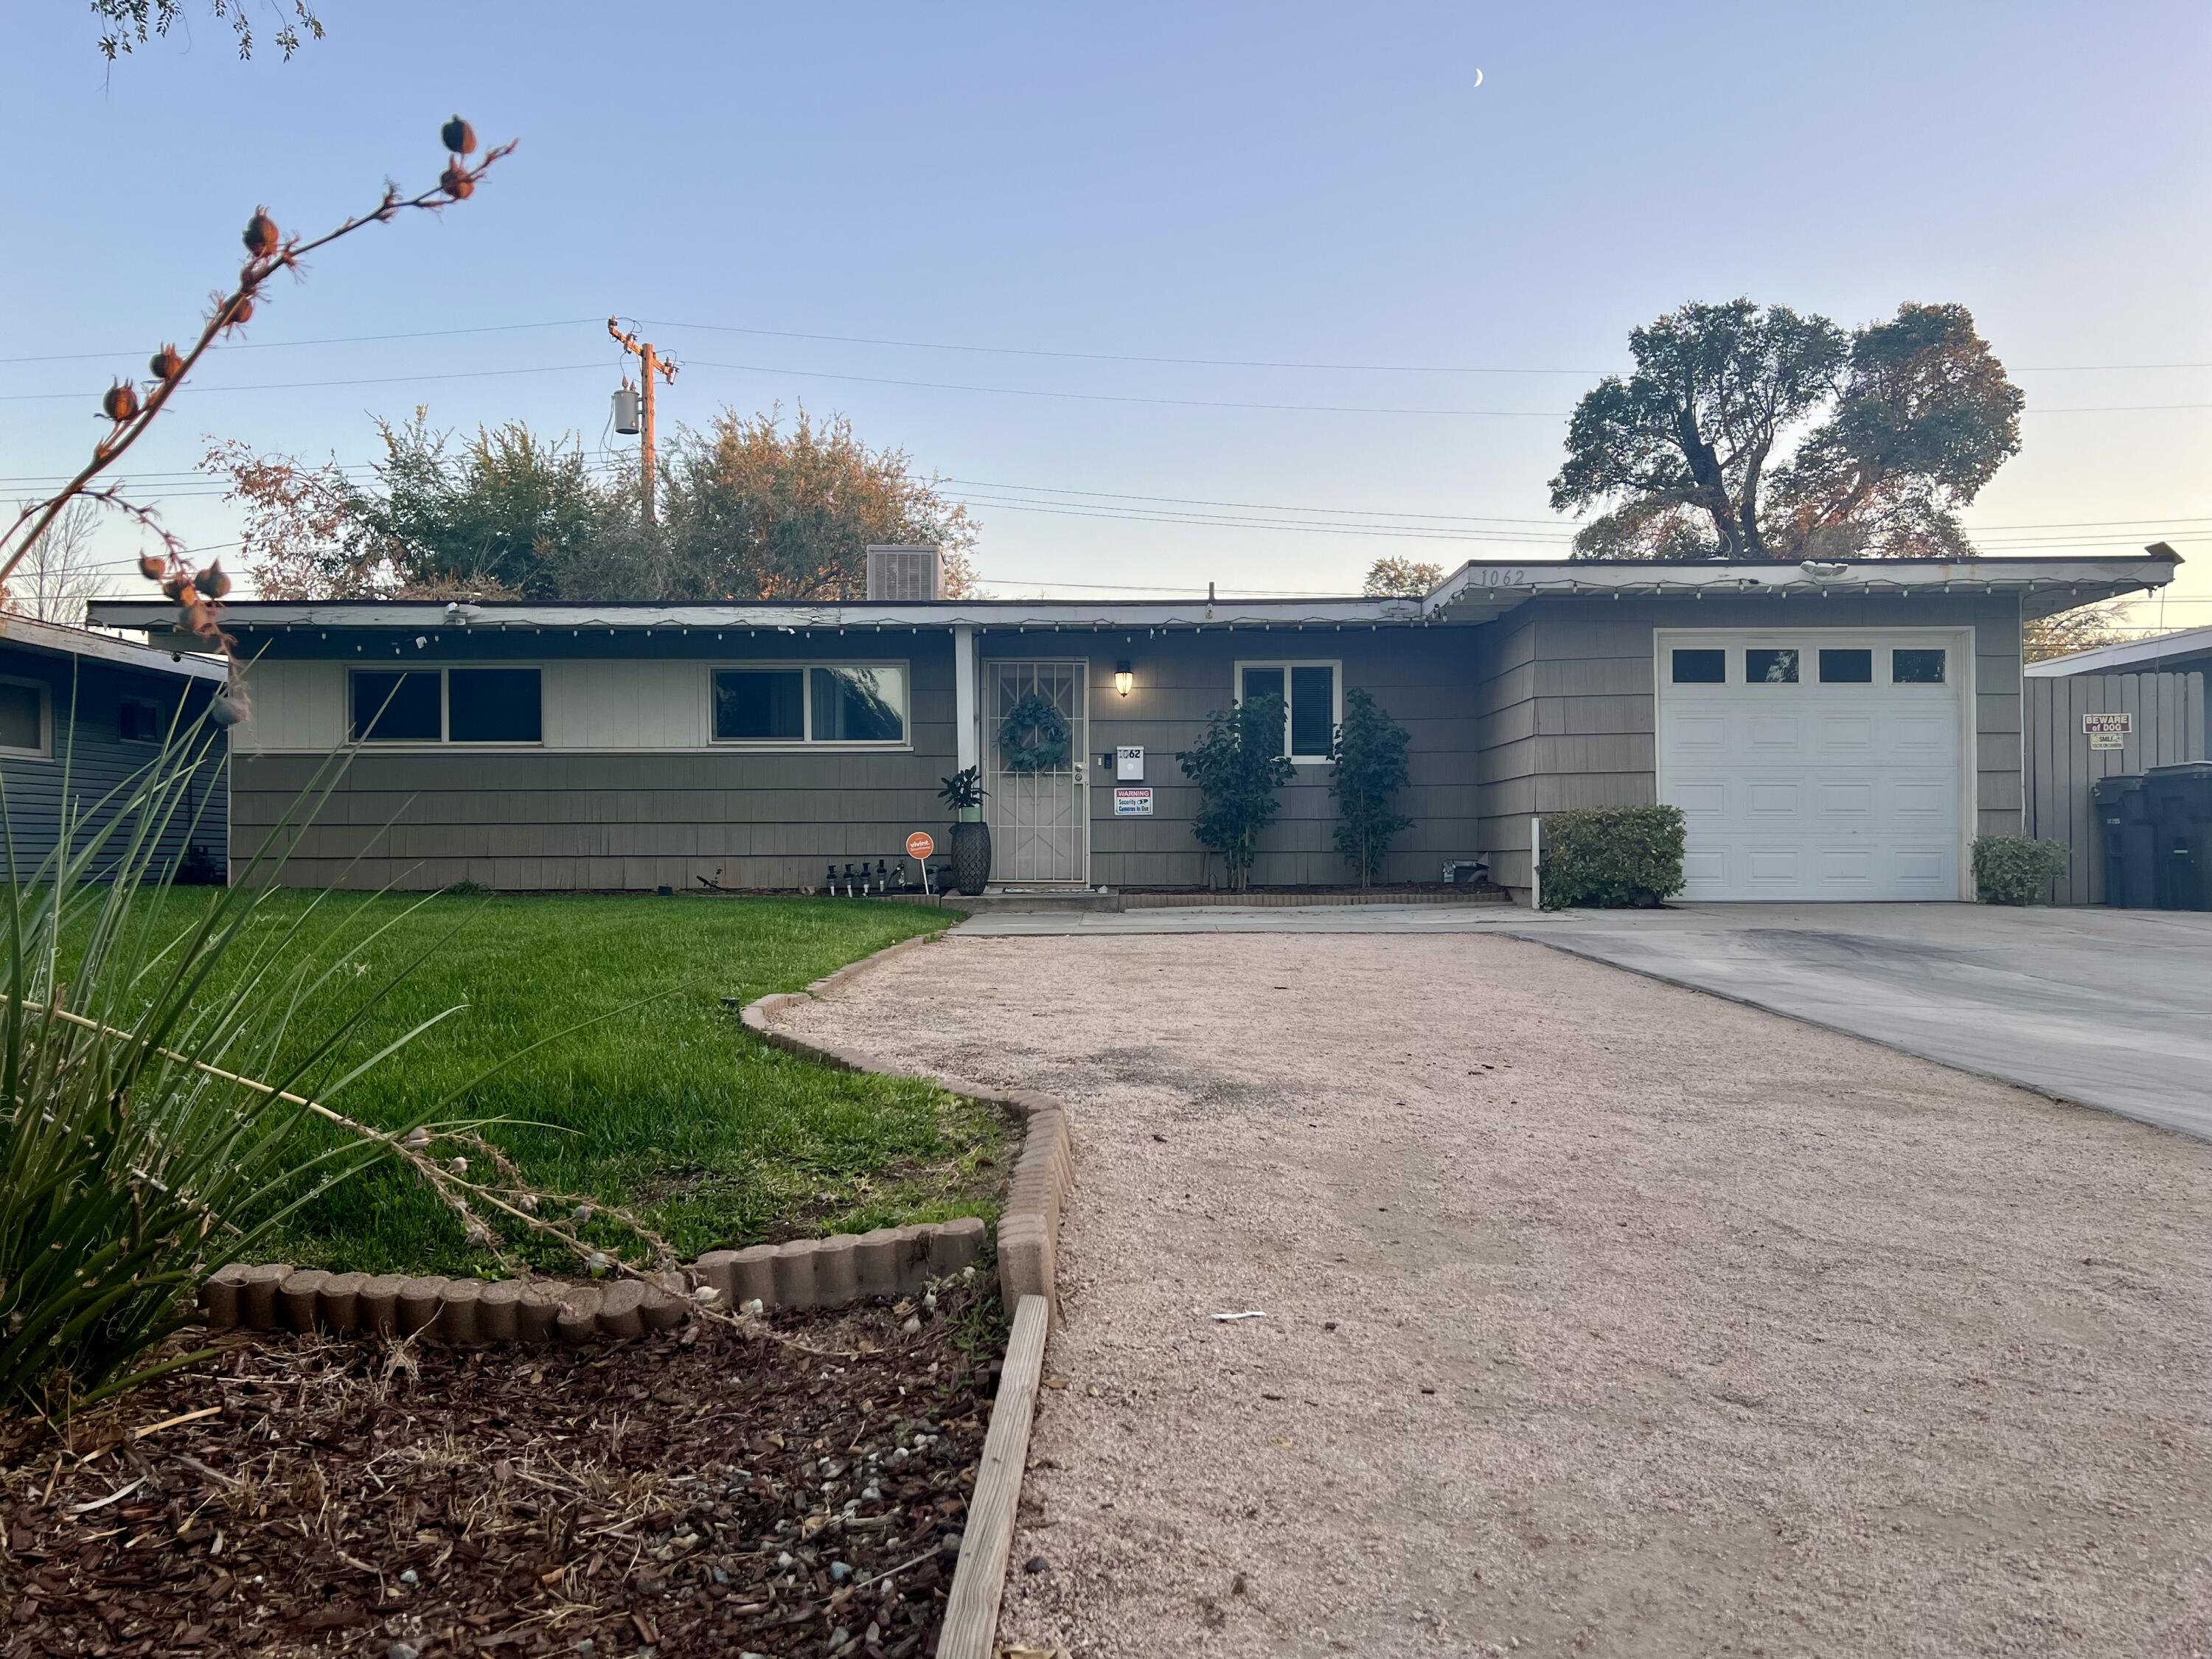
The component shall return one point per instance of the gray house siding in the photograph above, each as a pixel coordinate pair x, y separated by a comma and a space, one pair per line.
1569, 710
581, 819
1421, 677
90, 756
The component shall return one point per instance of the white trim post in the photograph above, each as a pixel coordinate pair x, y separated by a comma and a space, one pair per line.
1535, 862
967, 729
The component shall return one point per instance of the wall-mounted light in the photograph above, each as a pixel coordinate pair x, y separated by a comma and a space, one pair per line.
1123, 679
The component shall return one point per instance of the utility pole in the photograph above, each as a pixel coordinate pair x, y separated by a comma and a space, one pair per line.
654, 363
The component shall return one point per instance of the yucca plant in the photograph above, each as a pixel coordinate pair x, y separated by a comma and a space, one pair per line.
149, 1129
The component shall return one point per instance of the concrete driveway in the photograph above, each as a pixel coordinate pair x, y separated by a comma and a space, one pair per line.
2110, 1008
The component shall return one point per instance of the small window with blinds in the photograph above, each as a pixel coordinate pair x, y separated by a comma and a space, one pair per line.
1312, 695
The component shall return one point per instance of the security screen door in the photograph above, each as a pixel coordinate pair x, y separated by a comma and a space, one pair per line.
1040, 821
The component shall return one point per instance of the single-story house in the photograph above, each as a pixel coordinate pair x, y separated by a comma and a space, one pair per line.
1832, 730
80, 714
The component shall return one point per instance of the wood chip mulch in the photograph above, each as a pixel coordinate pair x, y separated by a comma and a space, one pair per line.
702, 1491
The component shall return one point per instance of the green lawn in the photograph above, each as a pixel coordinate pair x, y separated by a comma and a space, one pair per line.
671, 1108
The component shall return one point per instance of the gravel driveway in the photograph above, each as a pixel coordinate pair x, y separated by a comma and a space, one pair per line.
1601, 1316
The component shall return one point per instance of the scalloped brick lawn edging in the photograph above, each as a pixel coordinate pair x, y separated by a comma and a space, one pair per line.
1044, 1175
807, 1272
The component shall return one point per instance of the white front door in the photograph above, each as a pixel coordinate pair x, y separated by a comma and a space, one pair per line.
1817, 763
1039, 813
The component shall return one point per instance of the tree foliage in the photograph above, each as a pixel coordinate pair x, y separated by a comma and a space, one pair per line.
1369, 752
757, 508
1402, 579
754, 508
1238, 764
2081, 630
128, 24
1750, 434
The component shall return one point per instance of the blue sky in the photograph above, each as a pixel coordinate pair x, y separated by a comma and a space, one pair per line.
1281, 184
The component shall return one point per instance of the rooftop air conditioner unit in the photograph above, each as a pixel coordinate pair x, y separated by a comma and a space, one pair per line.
902, 573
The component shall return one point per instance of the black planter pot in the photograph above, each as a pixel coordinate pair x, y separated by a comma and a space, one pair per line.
971, 857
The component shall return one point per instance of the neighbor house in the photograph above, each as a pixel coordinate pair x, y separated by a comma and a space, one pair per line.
83, 714
1832, 730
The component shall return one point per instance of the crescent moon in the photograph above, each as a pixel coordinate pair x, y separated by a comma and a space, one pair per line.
1478, 77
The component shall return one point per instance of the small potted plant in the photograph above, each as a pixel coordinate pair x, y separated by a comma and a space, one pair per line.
971, 837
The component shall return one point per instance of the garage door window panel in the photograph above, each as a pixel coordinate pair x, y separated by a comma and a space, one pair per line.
1770, 665
1698, 666
1917, 667
1848, 666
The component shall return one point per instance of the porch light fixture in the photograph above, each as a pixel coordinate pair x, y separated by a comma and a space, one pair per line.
1123, 679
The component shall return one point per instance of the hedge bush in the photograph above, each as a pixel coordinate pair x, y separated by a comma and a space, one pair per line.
2017, 869
1612, 856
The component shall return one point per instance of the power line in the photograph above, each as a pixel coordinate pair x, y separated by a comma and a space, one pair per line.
995, 390
991, 351
299, 386
332, 339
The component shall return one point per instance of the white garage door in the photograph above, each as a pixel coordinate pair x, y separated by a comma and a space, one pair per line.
1816, 765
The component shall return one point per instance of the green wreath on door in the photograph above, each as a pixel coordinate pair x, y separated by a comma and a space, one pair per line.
1035, 735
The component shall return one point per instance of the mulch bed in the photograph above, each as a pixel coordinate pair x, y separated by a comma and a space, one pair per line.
706, 1491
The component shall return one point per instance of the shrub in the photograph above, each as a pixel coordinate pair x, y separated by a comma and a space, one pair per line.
2017, 869
1369, 752
1238, 766
1612, 856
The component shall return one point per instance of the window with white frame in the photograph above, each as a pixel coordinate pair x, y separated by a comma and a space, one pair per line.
854, 704
1312, 694
447, 705
26, 729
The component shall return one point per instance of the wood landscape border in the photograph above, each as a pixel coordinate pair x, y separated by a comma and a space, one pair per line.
1028, 1251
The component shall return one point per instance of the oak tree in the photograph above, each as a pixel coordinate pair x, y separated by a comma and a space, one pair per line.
1751, 433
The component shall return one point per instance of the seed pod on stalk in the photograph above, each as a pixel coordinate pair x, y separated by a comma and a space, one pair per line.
459, 136
167, 364
261, 238
121, 402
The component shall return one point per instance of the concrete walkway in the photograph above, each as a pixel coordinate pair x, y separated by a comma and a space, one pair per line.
1600, 1316
2112, 1008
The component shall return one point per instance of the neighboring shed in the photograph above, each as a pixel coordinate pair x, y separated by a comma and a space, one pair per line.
80, 713
2167, 724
